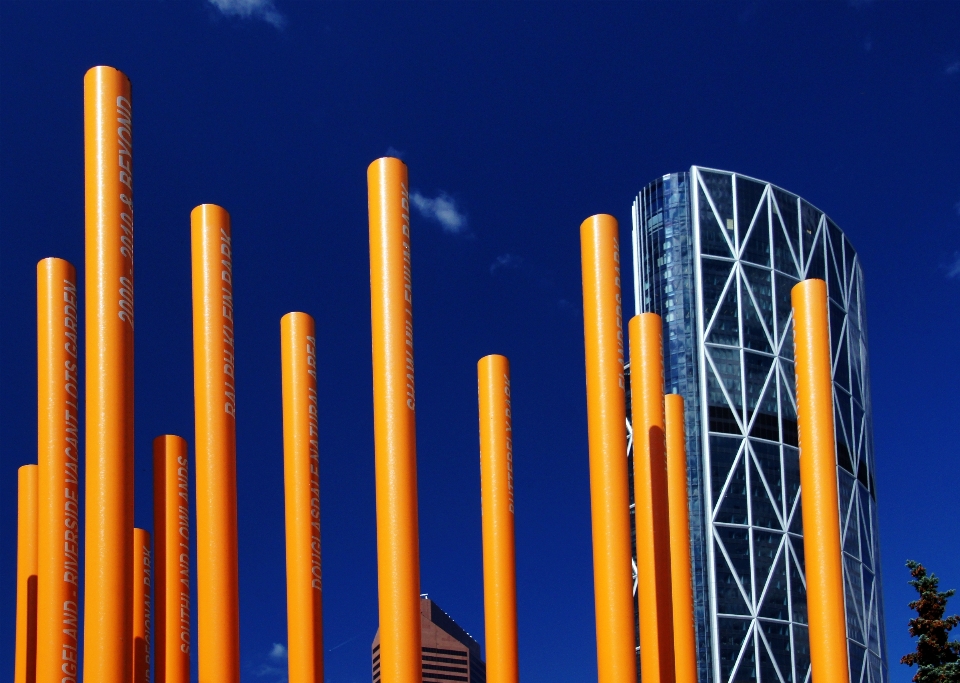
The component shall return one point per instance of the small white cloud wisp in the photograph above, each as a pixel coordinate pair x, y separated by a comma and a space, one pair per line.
953, 68
953, 270
251, 9
444, 210
506, 262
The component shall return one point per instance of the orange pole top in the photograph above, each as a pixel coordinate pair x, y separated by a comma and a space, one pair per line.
171, 547
823, 556
496, 496
215, 397
651, 507
58, 456
684, 633
606, 426
25, 660
108, 155
141, 606
301, 481
394, 417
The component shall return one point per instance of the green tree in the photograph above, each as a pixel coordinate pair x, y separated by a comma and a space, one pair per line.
937, 658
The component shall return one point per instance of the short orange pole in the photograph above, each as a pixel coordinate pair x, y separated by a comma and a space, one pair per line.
394, 421
651, 509
25, 660
301, 481
58, 457
215, 396
171, 551
606, 426
108, 149
818, 483
684, 633
141, 606
496, 497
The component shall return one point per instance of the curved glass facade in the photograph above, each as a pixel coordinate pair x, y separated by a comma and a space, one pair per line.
716, 254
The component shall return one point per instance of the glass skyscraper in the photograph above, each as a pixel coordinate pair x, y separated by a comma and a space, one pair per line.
716, 254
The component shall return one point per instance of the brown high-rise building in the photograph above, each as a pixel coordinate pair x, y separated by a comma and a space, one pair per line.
449, 654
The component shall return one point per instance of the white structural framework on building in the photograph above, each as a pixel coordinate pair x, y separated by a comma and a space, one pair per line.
716, 254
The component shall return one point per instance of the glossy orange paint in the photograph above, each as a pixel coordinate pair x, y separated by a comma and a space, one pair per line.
108, 573
171, 560
141, 606
684, 633
394, 416
58, 459
25, 658
823, 556
654, 583
216, 443
497, 504
301, 482
606, 426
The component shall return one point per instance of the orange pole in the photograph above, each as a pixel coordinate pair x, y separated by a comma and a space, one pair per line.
25, 661
108, 146
141, 606
215, 396
606, 427
58, 456
818, 483
394, 421
650, 500
684, 635
301, 480
496, 496
171, 547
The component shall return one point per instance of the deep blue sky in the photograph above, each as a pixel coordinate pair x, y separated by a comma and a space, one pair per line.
526, 119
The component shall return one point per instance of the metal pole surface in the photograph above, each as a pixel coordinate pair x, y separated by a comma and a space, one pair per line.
394, 418
171, 553
496, 496
651, 509
684, 633
25, 658
301, 481
141, 606
108, 154
607, 432
818, 483
58, 458
216, 444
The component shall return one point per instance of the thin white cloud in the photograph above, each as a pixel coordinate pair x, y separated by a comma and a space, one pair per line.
953, 68
251, 9
278, 652
275, 668
394, 152
953, 270
506, 262
444, 210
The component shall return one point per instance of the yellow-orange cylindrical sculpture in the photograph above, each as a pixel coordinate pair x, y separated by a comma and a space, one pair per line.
58, 458
684, 633
818, 483
215, 396
141, 606
496, 496
171, 560
25, 660
108, 150
394, 418
651, 509
301, 481
606, 426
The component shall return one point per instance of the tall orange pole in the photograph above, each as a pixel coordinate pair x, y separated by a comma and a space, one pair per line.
301, 480
215, 397
496, 497
25, 660
141, 606
651, 509
171, 552
607, 433
108, 148
58, 457
818, 483
394, 416
684, 633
